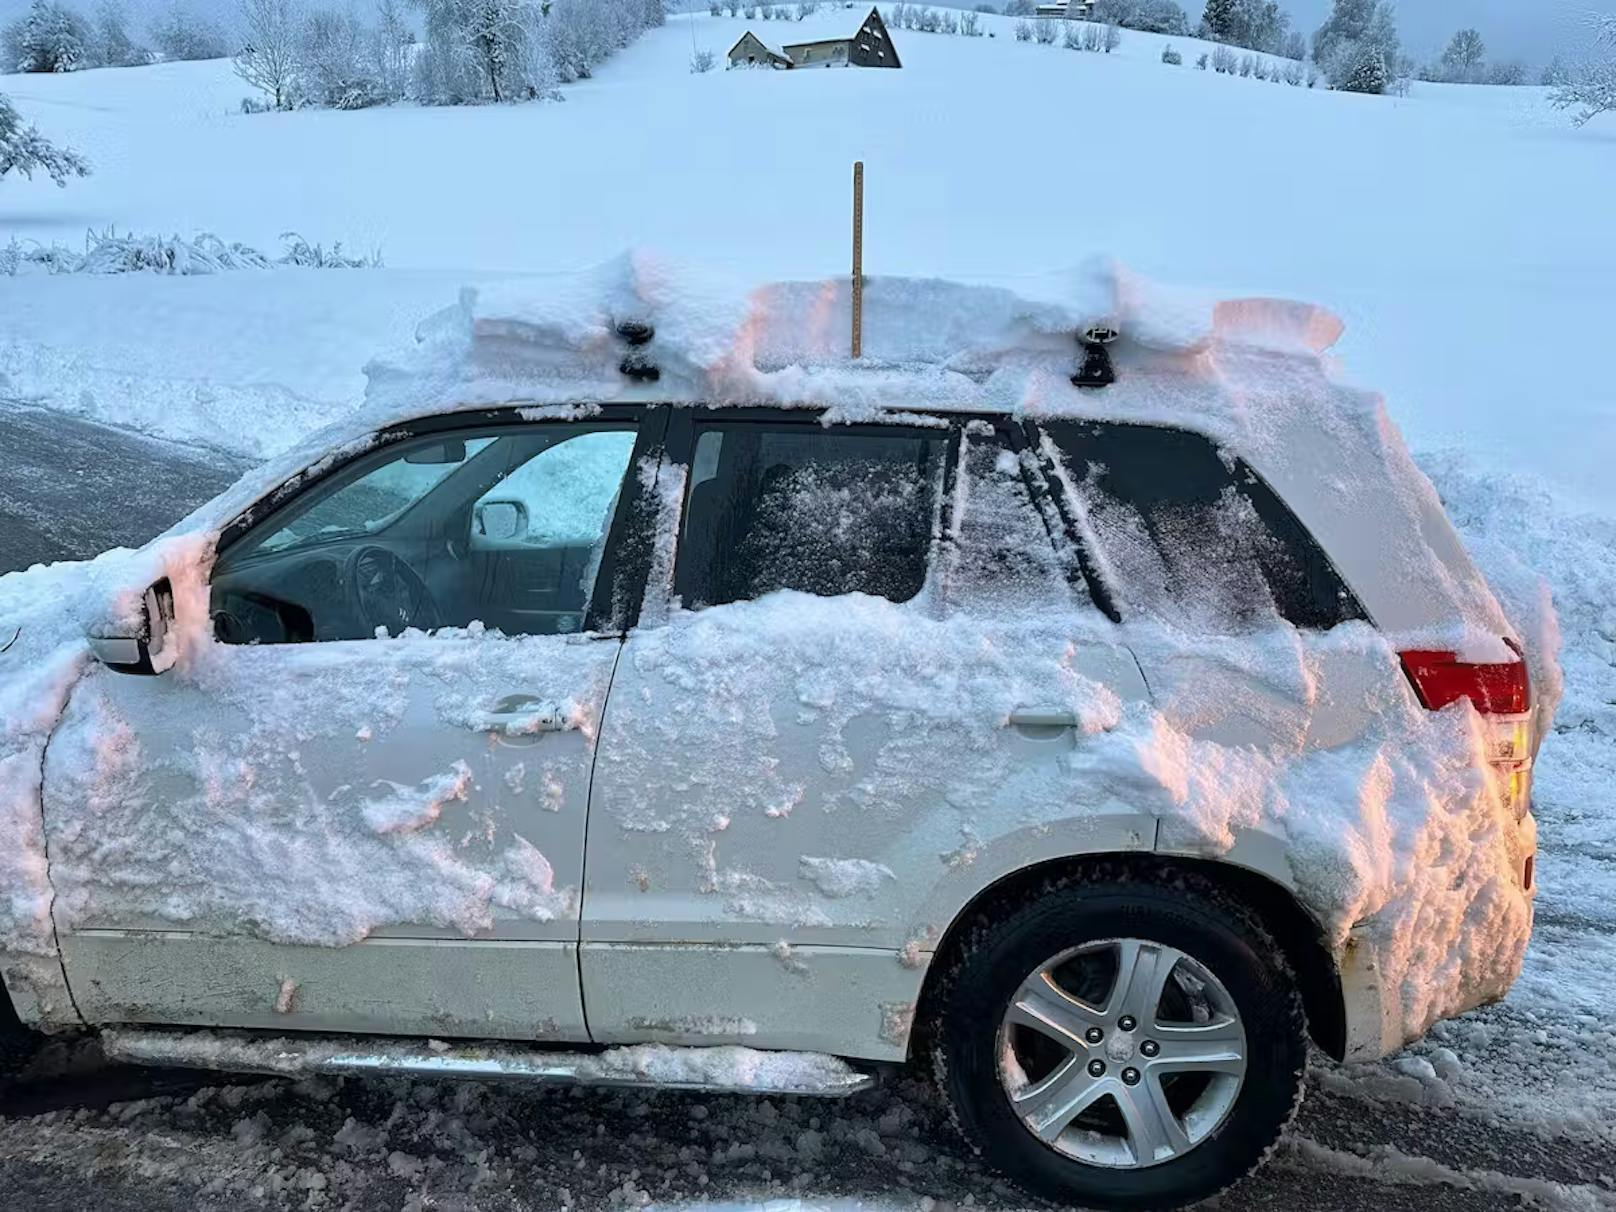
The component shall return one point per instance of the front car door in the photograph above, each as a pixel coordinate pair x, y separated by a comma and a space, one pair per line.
865, 699
362, 806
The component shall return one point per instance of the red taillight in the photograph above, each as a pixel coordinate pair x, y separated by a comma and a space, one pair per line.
1441, 678
1502, 692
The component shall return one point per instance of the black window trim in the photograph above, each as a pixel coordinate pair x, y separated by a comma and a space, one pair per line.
625, 563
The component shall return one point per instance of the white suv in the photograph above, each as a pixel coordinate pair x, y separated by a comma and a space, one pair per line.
1095, 764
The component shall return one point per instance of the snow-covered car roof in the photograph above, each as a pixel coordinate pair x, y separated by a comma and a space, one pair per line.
1252, 374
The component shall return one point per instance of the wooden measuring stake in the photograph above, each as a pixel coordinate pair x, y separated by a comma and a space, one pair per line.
858, 258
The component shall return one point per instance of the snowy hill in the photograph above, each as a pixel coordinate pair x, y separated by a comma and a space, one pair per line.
1443, 227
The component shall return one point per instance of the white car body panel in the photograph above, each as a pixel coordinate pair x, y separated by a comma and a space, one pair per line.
206, 752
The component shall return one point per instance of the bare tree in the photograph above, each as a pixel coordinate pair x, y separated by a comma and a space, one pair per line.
391, 40
1464, 55
268, 60
181, 34
113, 45
1591, 90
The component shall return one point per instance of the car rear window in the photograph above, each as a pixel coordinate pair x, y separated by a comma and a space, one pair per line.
1190, 534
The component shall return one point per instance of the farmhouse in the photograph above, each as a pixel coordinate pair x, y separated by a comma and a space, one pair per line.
870, 47
751, 51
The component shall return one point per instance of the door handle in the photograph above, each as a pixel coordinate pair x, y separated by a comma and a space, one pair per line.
521, 715
1043, 717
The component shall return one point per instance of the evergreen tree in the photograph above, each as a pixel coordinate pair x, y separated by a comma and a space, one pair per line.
1219, 20
23, 149
49, 38
1364, 70
1355, 31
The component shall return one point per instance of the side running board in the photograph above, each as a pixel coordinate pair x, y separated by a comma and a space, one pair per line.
726, 1069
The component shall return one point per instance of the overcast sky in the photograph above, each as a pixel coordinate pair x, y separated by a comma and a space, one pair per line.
1532, 30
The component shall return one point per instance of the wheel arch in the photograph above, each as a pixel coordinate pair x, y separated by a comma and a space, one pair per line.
1298, 933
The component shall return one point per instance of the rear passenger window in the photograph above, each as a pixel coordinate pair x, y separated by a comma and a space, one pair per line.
1190, 534
824, 511
1000, 552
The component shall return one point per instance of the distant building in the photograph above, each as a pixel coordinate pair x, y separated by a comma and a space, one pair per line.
1066, 10
870, 47
752, 51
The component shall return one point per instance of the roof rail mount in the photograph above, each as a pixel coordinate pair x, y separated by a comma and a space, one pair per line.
639, 368
636, 332
1096, 370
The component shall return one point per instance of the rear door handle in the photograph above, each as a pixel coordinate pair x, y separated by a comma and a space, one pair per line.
521, 715
1043, 717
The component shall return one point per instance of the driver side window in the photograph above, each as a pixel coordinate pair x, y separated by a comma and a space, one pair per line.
503, 527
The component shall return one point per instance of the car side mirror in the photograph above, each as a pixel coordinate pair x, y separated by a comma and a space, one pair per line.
502, 521
150, 648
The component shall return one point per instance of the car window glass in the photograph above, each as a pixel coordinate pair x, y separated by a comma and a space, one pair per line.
1190, 534
1000, 550
569, 489
370, 501
505, 529
823, 511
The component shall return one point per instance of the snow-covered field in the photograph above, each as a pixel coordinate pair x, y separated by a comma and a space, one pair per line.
1464, 234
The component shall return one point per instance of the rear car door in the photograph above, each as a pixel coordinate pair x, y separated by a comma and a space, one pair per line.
849, 706
362, 807
1223, 589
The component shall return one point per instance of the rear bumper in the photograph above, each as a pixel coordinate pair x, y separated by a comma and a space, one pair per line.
1389, 1002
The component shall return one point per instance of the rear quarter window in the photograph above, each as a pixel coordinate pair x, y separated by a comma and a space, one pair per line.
1188, 533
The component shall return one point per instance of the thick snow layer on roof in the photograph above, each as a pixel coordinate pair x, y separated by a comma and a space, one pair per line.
1251, 373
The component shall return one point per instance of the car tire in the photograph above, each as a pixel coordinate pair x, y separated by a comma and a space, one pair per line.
999, 1036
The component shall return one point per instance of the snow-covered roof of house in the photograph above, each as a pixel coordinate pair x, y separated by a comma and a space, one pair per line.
764, 46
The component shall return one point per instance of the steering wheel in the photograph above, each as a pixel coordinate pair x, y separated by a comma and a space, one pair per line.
387, 592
